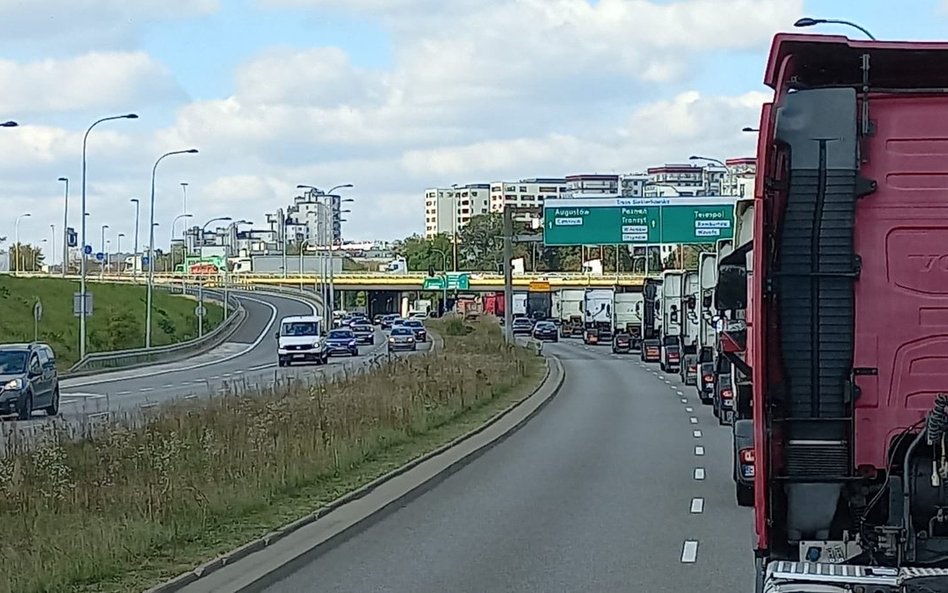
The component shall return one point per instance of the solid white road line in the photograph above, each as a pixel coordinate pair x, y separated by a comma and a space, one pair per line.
697, 505
689, 551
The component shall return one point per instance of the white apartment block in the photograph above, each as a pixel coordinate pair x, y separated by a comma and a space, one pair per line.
526, 194
449, 209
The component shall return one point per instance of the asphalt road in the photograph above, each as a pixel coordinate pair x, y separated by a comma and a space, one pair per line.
609, 489
248, 359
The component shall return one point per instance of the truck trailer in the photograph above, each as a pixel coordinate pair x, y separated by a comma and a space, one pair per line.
689, 328
847, 319
673, 314
628, 316
707, 320
597, 308
651, 320
571, 312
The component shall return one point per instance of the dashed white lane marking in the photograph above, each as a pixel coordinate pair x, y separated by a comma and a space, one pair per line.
167, 386
82, 395
696, 433
699, 473
681, 393
684, 401
150, 405
689, 551
122, 392
693, 420
697, 505
147, 389
260, 367
689, 409
699, 450
214, 377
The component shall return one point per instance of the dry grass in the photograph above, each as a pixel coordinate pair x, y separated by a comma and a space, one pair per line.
128, 506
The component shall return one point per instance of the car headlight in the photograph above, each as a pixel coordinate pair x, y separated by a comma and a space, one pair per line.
14, 384
352, 342
411, 339
391, 340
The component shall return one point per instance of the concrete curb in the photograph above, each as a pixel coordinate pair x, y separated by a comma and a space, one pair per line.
263, 574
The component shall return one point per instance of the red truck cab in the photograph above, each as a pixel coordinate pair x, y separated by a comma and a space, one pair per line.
849, 323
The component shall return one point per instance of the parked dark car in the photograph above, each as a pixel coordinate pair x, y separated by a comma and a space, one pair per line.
622, 344
28, 380
522, 326
402, 338
706, 383
545, 330
365, 333
342, 341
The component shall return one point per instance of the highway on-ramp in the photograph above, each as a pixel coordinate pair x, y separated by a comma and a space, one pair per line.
247, 358
622, 483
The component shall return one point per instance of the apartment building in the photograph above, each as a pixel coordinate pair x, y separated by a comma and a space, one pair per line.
592, 185
449, 209
675, 179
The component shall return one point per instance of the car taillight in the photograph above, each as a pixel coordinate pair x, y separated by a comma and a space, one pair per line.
747, 456
692, 368
726, 394
709, 378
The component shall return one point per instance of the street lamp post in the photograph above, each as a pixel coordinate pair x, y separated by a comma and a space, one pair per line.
52, 243
135, 258
201, 281
65, 225
171, 246
331, 242
809, 22
118, 250
16, 227
83, 299
105, 253
227, 265
151, 242
444, 272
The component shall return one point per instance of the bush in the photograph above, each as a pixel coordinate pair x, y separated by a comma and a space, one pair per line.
85, 515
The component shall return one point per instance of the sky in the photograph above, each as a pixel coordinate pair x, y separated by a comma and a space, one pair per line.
392, 96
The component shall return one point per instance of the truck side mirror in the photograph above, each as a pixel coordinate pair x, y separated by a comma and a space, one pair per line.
706, 301
692, 302
277, 335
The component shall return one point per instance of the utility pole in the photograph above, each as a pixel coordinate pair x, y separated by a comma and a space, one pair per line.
508, 275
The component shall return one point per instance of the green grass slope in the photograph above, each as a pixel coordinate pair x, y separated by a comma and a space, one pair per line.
117, 321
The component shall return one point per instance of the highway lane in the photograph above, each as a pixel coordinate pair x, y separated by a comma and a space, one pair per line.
600, 493
249, 358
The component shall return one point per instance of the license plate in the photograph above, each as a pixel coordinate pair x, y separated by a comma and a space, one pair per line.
729, 416
747, 471
299, 356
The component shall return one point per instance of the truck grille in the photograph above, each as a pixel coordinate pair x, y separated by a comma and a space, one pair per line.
811, 459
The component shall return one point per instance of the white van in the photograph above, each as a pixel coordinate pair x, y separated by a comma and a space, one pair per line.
301, 339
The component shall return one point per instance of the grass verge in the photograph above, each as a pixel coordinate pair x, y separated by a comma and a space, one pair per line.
127, 508
117, 321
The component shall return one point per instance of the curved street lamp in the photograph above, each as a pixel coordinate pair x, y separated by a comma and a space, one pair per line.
82, 240
810, 22
151, 242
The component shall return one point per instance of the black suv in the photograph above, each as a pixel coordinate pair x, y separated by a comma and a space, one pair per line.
28, 380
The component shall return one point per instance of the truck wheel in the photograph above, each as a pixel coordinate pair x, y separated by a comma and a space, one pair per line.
745, 495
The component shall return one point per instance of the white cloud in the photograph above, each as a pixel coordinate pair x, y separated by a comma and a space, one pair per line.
88, 24
477, 90
90, 81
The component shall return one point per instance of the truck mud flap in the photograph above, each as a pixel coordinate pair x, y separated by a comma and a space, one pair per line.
813, 277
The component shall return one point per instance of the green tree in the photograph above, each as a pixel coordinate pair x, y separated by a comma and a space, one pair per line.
422, 253
30, 257
124, 331
481, 242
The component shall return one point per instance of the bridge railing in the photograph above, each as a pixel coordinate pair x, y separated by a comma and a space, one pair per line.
96, 362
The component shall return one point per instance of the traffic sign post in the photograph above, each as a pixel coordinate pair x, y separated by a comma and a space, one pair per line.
37, 315
637, 221
77, 308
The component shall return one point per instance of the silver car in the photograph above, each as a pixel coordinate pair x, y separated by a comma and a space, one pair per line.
402, 338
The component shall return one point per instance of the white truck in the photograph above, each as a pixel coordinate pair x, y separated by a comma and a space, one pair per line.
570, 312
519, 304
672, 319
689, 328
707, 336
597, 310
300, 339
627, 314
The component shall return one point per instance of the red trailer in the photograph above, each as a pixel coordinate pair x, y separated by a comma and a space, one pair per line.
849, 323
493, 304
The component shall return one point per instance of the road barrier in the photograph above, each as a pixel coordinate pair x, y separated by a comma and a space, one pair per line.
137, 357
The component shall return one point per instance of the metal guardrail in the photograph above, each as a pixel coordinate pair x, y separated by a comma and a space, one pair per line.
137, 357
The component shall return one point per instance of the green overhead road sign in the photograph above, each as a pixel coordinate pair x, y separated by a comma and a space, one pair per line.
455, 281
637, 221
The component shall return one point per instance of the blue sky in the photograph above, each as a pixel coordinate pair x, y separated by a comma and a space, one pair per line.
391, 95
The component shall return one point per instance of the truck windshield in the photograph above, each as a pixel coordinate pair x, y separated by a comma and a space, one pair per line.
300, 328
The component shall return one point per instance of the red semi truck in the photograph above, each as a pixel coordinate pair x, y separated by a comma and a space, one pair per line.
849, 318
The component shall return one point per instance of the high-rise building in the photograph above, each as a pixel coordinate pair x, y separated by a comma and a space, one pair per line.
448, 209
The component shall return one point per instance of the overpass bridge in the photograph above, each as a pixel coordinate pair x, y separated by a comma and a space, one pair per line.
415, 281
